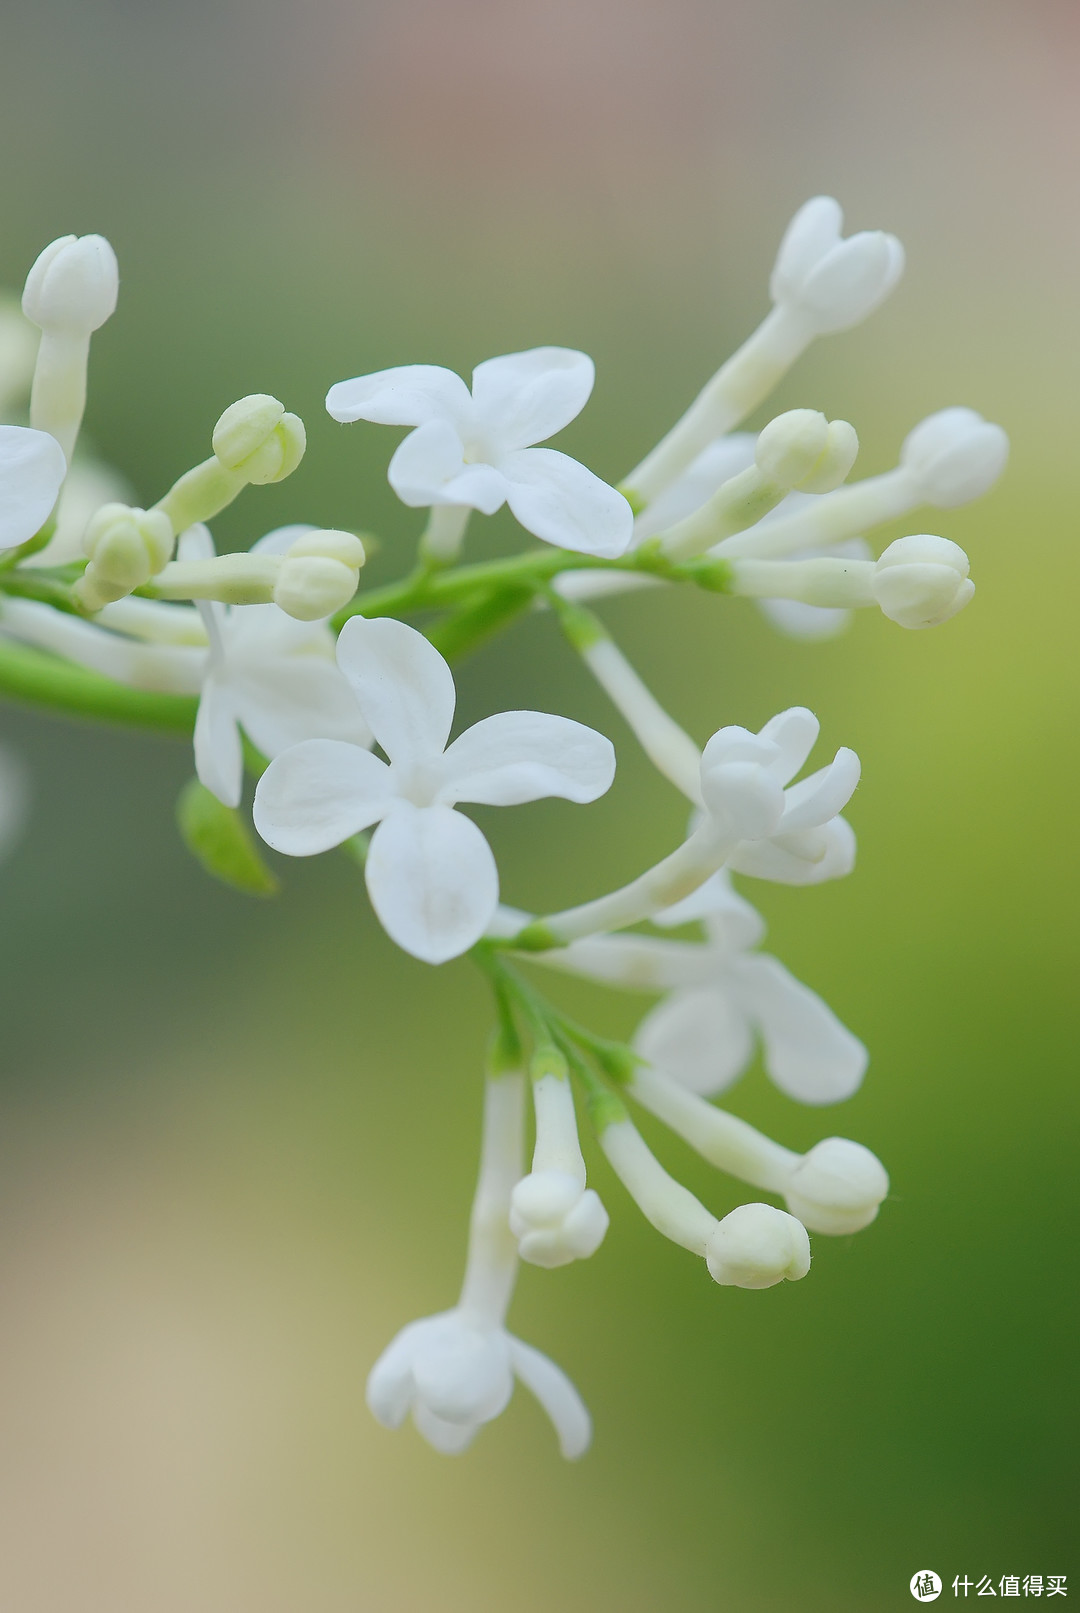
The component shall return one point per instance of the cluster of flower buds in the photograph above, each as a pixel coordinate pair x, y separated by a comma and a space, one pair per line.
250, 634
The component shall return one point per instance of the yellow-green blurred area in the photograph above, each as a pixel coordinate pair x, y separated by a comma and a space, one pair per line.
238, 1139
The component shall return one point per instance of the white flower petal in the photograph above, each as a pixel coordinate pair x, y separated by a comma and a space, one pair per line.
219, 757
429, 468
809, 1054
319, 793
795, 733
700, 1038
553, 1389
432, 880
408, 395
807, 859
403, 686
518, 756
195, 543
560, 501
741, 925
283, 702
524, 398
462, 1372
449, 1439
802, 621
281, 538
390, 1386
32, 468
814, 800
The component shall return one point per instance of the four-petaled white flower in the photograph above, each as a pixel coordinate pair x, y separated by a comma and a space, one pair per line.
430, 872
476, 449
722, 997
269, 675
455, 1372
32, 468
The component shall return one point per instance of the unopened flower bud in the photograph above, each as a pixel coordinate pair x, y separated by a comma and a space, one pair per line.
922, 580
831, 282
319, 574
556, 1219
801, 449
258, 440
954, 456
126, 547
758, 1246
73, 285
837, 1187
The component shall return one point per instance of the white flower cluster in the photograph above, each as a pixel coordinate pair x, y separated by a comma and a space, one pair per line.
275, 664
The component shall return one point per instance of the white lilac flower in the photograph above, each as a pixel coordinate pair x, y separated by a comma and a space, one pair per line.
475, 449
32, 468
721, 997
456, 1371
268, 675
430, 872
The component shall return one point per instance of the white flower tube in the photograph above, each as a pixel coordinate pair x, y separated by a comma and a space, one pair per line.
835, 1188
820, 284
919, 581
70, 291
755, 1246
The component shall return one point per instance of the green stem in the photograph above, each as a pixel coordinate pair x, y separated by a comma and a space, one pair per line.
45, 680
465, 630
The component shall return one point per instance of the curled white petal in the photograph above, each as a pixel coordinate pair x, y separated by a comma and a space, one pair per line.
814, 800
432, 880
557, 1395
518, 756
408, 395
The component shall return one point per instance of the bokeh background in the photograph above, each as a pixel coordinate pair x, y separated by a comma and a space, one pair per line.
238, 1139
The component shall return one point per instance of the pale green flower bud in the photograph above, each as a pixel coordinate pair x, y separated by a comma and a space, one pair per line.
801, 449
258, 440
126, 547
319, 574
758, 1246
73, 285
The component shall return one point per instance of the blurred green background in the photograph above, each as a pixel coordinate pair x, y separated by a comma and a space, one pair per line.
237, 1140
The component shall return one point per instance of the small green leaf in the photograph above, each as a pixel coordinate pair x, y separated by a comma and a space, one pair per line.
219, 838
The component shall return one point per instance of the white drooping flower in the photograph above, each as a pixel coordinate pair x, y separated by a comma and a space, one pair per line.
430, 872
456, 1371
476, 448
721, 998
830, 282
32, 469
